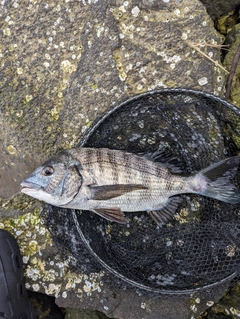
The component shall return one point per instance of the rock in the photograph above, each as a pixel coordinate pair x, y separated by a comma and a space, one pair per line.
83, 314
129, 304
232, 40
44, 306
225, 23
63, 64
218, 8
227, 307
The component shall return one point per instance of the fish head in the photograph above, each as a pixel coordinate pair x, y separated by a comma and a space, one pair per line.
57, 181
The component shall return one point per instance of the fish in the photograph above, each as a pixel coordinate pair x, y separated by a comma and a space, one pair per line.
110, 182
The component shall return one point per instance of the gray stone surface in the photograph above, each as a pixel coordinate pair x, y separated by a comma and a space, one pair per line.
131, 305
64, 63
83, 314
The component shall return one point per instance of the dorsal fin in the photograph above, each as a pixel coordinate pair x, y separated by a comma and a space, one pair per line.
167, 159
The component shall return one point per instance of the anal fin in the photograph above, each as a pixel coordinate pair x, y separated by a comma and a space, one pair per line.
113, 214
166, 212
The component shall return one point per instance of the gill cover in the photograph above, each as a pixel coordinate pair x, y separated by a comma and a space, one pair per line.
72, 182
64, 184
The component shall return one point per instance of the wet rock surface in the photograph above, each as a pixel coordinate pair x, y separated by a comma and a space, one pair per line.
217, 8
232, 39
227, 307
83, 314
44, 306
62, 65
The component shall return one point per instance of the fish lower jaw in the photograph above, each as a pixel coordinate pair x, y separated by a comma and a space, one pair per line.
29, 186
30, 191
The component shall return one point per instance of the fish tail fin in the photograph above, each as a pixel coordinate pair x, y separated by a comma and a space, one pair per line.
214, 181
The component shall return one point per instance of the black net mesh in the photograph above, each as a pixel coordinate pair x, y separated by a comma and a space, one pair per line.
200, 247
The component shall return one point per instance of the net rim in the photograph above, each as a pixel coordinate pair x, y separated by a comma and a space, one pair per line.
87, 134
137, 284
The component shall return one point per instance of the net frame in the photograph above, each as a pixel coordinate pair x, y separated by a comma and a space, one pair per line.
74, 215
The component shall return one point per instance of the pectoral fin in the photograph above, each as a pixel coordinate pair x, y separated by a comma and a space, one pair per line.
105, 192
113, 214
166, 212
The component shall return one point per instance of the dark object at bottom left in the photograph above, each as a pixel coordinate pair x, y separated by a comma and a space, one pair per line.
14, 302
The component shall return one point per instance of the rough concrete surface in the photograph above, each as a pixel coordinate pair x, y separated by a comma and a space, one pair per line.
64, 63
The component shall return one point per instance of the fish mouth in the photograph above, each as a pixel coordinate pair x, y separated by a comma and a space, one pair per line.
27, 187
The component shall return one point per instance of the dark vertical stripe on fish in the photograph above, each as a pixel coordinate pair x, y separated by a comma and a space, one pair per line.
99, 160
114, 166
128, 161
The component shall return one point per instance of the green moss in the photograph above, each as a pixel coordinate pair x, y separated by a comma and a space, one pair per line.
171, 84
225, 23
18, 203
89, 123
228, 306
94, 87
29, 232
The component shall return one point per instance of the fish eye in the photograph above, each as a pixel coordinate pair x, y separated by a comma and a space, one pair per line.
48, 170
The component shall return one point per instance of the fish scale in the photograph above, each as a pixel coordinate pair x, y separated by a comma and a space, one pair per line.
110, 182
129, 168
88, 156
123, 167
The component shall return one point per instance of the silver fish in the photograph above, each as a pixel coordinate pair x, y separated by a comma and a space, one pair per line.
110, 182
